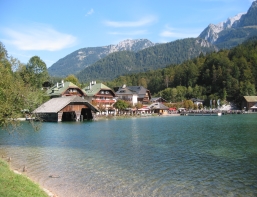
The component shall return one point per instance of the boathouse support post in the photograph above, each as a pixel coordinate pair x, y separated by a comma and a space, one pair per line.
59, 116
78, 113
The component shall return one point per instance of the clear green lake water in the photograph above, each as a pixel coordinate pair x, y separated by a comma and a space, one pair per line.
154, 156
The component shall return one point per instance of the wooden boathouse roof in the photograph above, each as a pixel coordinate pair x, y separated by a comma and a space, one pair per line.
55, 105
250, 98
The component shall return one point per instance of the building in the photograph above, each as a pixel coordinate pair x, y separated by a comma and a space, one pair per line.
159, 108
249, 103
68, 108
158, 100
64, 89
124, 93
133, 94
197, 101
100, 95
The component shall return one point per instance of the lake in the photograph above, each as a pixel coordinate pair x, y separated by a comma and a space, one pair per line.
152, 156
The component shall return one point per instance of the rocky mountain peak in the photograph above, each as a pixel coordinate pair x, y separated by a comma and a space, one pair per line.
131, 45
211, 33
248, 19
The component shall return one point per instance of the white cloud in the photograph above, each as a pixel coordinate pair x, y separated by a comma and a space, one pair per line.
169, 32
38, 38
90, 12
141, 22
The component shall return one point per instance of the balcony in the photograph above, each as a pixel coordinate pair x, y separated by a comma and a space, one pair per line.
104, 100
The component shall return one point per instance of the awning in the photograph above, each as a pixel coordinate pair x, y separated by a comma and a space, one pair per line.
172, 109
143, 109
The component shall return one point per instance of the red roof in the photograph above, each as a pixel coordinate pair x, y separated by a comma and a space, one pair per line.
173, 109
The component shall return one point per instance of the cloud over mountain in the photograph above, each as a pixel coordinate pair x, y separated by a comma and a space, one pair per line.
38, 37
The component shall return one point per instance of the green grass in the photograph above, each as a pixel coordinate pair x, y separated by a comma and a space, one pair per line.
12, 184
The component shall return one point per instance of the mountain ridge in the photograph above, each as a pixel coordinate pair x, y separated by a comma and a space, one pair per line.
220, 33
224, 35
85, 57
151, 58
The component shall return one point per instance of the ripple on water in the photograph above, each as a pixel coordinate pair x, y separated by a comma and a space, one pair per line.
168, 156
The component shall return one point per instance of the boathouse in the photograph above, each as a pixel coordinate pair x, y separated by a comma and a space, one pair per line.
249, 103
69, 108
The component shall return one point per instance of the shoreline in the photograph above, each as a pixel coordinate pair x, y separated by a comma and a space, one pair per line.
47, 191
110, 117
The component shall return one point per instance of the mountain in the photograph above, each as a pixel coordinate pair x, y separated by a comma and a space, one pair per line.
152, 58
146, 55
234, 30
211, 33
82, 58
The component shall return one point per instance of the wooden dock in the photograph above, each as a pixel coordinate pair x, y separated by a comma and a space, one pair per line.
211, 113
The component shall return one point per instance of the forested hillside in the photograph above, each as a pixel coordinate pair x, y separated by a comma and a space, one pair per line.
82, 58
226, 75
232, 37
152, 58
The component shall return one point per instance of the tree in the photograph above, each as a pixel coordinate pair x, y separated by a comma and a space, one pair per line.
121, 105
174, 93
138, 105
15, 94
72, 79
142, 82
36, 71
188, 104
166, 94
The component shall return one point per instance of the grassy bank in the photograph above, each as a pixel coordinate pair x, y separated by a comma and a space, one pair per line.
12, 184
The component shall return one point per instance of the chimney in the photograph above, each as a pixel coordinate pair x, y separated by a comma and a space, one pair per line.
62, 83
57, 84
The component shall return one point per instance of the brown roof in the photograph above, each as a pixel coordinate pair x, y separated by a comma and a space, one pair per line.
54, 105
251, 98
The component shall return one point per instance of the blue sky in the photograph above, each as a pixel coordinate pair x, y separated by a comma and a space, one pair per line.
52, 29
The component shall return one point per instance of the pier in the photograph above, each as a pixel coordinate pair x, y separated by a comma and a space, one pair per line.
212, 112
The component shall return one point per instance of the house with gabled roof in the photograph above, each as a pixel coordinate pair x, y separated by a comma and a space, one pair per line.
124, 93
197, 101
249, 103
134, 94
64, 89
67, 108
100, 95
158, 108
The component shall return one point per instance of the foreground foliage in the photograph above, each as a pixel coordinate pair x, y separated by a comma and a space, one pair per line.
17, 185
20, 89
